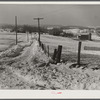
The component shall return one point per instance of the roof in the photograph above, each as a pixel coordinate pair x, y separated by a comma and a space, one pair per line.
82, 33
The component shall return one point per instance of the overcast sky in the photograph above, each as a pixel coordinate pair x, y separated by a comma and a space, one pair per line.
84, 15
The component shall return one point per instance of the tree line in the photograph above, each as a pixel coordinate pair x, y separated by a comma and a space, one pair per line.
31, 28
24, 28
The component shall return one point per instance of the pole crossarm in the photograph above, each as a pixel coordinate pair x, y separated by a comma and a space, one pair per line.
38, 18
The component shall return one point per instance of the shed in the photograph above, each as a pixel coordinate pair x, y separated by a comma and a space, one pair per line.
84, 36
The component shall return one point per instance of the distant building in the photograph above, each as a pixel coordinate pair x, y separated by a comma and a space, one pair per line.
49, 28
84, 30
84, 36
74, 31
1, 30
8, 30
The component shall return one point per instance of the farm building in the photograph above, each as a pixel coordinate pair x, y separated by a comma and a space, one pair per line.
84, 30
84, 36
49, 28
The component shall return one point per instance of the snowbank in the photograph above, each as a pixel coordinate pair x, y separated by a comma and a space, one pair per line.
25, 66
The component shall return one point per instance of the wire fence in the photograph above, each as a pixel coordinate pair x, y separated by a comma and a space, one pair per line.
70, 50
79, 52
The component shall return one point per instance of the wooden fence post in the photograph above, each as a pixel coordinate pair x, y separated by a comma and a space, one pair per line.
54, 54
90, 36
79, 51
27, 36
40, 43
48, 50
31, 35
45, 49
42, 46
59, 53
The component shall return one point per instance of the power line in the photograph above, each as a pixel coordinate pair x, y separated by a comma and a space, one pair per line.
38, 19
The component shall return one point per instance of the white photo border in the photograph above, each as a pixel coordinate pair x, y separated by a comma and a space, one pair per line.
50, 94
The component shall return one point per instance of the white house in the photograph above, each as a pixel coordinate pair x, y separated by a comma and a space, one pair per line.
74, 31
49, 28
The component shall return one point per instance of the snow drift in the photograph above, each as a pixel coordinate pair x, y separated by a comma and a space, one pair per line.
26, 66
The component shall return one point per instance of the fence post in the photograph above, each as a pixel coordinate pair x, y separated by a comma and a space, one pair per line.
31, 35
79, 51
45, 49
42, 46
27, 36
48, 50
59, 53
54, 54
40, 43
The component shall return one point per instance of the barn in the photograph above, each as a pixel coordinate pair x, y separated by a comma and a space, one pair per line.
84, 36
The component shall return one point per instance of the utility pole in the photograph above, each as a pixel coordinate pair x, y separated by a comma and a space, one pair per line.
38, 19
16, 28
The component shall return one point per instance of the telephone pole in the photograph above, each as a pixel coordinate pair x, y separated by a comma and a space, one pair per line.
38, 19
16, 28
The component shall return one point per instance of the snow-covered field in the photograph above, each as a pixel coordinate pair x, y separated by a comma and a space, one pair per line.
71, 45
8, 39
70, 48
25, 66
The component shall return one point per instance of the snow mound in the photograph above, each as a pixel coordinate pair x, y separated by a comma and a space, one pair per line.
26, 66
13, 51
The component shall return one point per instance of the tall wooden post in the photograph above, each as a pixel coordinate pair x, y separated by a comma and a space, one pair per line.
54, 54
48, 50
27, 36
90, 35
31, 35
59, 53
45, 49
42, 46
79, 52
